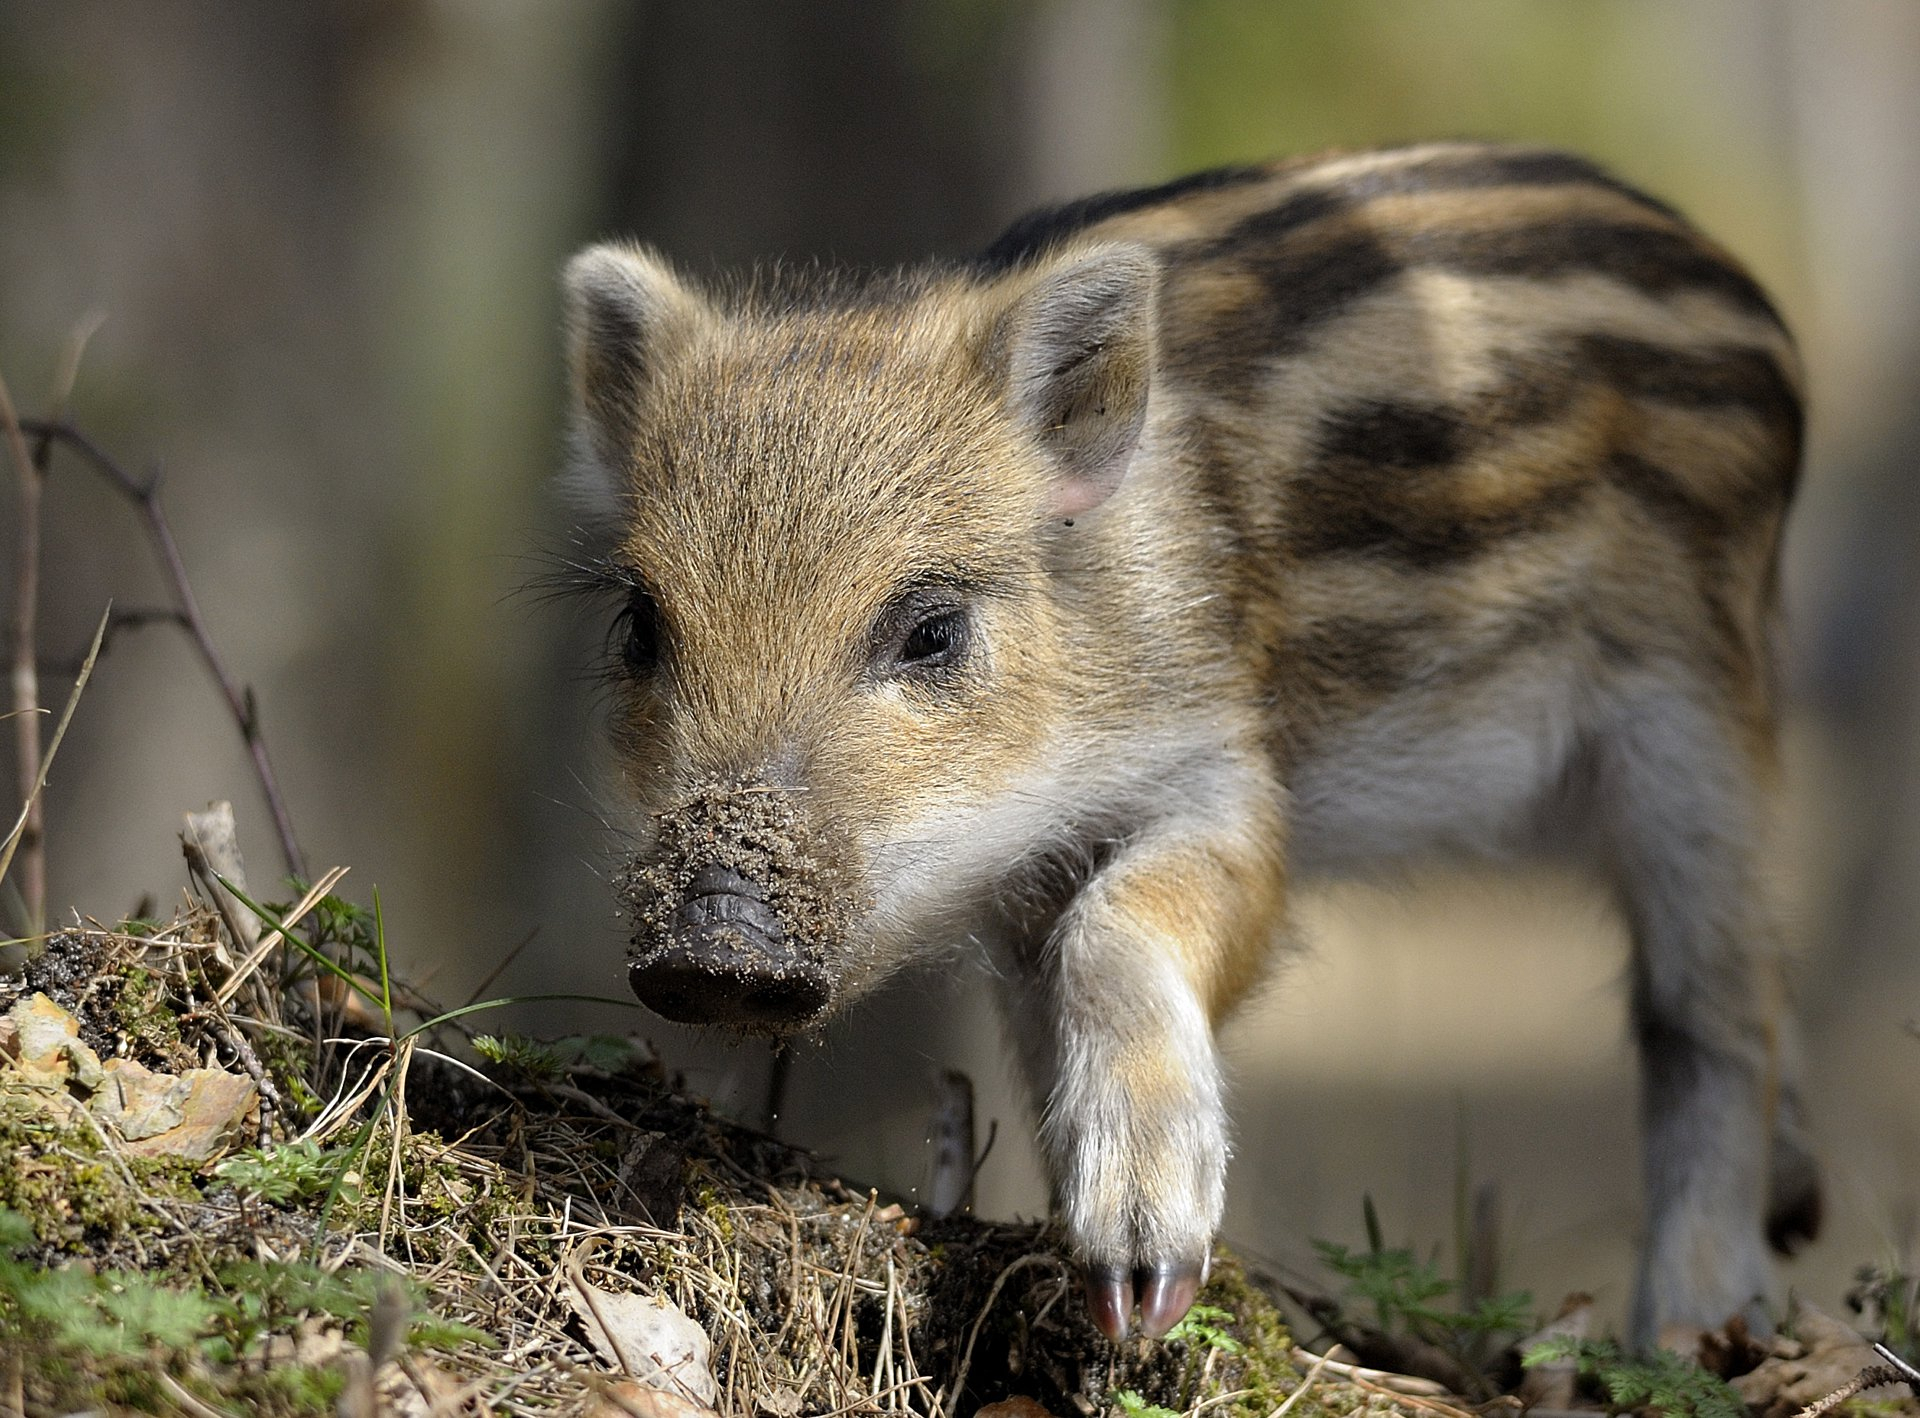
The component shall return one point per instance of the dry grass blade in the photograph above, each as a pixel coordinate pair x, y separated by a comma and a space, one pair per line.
46, 759
959, 1385
316, 893
1307, 1381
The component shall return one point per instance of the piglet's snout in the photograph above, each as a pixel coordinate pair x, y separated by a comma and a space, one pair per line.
726, 960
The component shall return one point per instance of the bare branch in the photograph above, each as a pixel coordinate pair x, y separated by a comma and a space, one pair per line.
145, 495
25, 680
132, 618
15, 836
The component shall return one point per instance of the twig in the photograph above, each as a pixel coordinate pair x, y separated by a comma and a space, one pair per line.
1306, 1382
145, 495
26, 674
950, 1405
133, 618
1867, 1378
1908, 1374
17, 833
1401, 1385
185, 1397
26, 677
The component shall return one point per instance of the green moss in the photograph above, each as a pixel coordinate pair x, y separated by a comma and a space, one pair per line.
291, 1389
69, 1189
1252, 1349
149, 1022
715, 1208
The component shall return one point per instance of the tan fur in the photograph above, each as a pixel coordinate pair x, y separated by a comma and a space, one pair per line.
1312, 518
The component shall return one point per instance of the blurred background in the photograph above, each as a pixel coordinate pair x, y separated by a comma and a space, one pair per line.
325, 238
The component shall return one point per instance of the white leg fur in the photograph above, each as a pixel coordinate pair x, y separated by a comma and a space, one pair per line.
1685, 818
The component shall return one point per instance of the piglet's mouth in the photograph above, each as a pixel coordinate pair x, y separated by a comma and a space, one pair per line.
735, 915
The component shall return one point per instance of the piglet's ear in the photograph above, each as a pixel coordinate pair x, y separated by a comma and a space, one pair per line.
626, 312
1079, 354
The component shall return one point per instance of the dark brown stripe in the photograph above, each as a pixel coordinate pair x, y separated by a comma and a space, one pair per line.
1722, 377
1658, 260
1372, 513
1387, 435
1701, 525
1034, 233
1306, 286
1374, 657
1381, 482
1312, 278
1446, 172
1498, 167
1310, 282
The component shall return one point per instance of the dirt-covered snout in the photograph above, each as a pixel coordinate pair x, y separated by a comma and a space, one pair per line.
739, 912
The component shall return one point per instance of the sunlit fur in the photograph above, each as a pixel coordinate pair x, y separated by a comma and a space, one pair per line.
1316, 518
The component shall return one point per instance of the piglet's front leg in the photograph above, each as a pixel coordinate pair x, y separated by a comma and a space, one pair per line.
1118, 1013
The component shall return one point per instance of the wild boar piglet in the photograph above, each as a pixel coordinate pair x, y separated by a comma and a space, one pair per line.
1283, 522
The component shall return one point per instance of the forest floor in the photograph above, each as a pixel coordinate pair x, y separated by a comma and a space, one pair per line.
252, 1173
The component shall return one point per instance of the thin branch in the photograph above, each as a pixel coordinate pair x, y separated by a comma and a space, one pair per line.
32, 470
25, 682
17, 834
145, 495
133, 618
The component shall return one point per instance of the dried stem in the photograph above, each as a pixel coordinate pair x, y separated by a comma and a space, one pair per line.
145, 495
25, 683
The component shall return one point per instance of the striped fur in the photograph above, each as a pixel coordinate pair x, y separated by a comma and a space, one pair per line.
1303, 520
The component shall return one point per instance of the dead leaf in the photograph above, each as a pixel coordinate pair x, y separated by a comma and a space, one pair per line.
627, 1399
1013, 1408
1834, 1355
1552, 1385
649, 1338
779, 1401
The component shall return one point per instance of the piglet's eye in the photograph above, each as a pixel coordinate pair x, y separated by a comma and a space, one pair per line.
938, 640
925, 632
639, 633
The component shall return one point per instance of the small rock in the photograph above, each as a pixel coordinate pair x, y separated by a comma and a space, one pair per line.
139, 1103
41, 1042
41, 1030
216, 1114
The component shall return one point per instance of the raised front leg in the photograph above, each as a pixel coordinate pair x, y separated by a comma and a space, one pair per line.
1114, 1016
